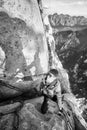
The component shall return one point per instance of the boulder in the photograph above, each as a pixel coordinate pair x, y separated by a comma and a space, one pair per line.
31, 118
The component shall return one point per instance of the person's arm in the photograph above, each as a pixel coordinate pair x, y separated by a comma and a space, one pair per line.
64, 87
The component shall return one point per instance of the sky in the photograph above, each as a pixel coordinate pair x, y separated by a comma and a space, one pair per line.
71, 7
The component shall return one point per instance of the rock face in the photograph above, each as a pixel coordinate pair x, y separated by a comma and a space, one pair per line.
31, 119
6, 123
22, 42
23, 52
23, 46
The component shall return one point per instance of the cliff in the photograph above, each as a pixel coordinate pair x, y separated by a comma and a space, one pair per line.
22, 39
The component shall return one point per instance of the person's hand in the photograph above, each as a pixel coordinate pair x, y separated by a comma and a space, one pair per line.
52, 106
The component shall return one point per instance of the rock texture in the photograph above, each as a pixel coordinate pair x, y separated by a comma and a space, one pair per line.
24, 50
23, 53
22, 40
6, 122
31, 119
23, 47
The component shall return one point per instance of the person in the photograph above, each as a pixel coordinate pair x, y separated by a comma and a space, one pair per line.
53, 89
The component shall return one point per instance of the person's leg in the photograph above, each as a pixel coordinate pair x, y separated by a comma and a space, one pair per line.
44, 106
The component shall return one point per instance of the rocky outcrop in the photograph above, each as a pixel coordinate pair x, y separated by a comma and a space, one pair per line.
27, 116
31, 119
24, 50
25, 90
23, 47
22, 40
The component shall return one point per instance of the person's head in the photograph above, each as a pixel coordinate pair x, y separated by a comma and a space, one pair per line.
52, 75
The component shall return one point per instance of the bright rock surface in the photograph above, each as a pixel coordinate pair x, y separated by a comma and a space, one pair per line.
54, 61
23, 47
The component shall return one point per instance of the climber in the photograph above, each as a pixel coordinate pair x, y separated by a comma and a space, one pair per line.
53, 90
52, 86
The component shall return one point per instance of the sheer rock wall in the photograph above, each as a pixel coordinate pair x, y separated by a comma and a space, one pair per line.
23, 48
54, 61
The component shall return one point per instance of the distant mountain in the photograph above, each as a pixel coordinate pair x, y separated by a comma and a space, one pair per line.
67, 20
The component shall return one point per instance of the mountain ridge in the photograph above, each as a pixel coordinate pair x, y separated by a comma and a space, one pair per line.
65, 20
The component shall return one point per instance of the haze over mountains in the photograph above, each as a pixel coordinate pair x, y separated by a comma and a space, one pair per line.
71, 7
